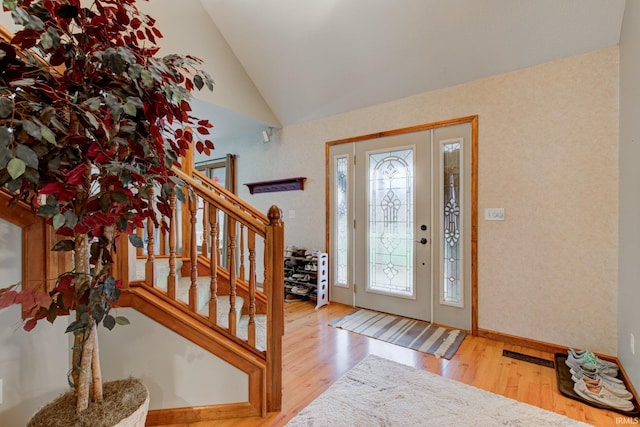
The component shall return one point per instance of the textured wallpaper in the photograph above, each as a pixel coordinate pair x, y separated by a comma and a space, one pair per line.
629, 265
548, 140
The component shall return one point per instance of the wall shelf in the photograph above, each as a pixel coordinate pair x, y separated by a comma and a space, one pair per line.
288, 184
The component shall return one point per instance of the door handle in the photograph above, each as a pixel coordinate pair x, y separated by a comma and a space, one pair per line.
422, 241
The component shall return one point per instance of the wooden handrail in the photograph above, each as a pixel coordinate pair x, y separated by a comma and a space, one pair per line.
236, 209
220, 190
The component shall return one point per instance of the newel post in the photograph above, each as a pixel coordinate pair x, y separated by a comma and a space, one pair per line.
274, 288
124, 261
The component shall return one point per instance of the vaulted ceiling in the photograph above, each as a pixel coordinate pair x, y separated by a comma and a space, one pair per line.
315, 58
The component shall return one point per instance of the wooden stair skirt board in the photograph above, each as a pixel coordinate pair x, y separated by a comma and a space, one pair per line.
552, 348
173, 316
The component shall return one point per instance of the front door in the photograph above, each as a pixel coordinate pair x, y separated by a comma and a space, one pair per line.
399, 223
392, 232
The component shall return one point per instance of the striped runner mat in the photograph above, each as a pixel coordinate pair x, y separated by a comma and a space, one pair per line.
414, 334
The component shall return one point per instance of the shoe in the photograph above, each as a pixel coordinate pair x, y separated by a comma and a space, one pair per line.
300, 290
579, 373
620, 392
602, 396
589, 357
590, 362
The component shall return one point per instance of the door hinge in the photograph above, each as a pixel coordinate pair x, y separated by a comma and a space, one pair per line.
355, 288
354, 223
354, 159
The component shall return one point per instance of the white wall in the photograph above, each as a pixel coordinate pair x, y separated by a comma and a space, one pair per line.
177, 372
187, 29
7, 22
547, 154
629, 224
33, 365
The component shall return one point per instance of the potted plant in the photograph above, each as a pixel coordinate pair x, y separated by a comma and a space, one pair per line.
91, 122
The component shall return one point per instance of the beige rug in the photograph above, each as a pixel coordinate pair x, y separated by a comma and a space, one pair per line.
380, 392
414, 334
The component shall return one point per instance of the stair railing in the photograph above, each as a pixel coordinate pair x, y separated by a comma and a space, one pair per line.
215, 245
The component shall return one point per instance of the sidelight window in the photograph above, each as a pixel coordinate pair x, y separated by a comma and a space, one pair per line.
451, 165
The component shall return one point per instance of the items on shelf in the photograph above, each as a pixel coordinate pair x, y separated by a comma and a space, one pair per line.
306, 275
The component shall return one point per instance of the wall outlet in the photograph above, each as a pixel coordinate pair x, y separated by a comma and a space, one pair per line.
494, 214
632, 343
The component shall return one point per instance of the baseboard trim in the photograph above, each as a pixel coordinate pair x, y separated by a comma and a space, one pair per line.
521, 341
552, 348
173, 416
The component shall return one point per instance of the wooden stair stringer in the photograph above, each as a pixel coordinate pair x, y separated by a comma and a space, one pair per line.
177, 317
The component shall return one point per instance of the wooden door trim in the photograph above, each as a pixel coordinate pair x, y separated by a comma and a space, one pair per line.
473, 121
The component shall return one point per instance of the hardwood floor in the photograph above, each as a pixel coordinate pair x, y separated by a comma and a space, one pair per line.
316, 355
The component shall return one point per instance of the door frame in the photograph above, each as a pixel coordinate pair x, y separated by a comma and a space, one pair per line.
473, 121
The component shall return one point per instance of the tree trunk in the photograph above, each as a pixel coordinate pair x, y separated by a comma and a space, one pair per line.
82, 388
96, 372
81, 351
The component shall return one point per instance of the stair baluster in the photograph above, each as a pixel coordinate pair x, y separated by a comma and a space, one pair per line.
163, 242
173, 232
139, 251
205, 227
251, 244
213, 263
149, 267
241, 270
231, 266
193, 289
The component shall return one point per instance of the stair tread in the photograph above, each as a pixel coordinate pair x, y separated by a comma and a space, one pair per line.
182, 293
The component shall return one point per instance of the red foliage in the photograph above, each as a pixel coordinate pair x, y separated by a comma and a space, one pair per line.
97, 133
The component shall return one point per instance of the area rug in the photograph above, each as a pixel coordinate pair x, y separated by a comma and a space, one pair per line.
410, 333
380, 392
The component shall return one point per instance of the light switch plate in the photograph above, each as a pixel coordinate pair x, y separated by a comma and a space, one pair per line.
494, 214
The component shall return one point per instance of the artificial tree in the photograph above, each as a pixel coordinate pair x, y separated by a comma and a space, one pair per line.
91, 123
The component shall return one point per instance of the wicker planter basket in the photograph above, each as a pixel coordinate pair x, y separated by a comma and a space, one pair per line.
138, 418
126, 403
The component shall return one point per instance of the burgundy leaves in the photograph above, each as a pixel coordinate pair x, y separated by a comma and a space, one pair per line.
86, 137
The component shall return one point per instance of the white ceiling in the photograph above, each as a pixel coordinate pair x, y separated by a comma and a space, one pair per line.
316, 58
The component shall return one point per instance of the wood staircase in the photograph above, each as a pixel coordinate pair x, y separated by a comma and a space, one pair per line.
218, 266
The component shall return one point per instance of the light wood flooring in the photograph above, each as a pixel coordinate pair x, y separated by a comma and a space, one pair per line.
316, 355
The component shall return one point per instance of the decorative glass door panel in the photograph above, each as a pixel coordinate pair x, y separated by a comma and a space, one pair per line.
391, 222
392, 202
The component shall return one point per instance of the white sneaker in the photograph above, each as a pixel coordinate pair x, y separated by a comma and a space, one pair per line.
620, 392
602, 396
